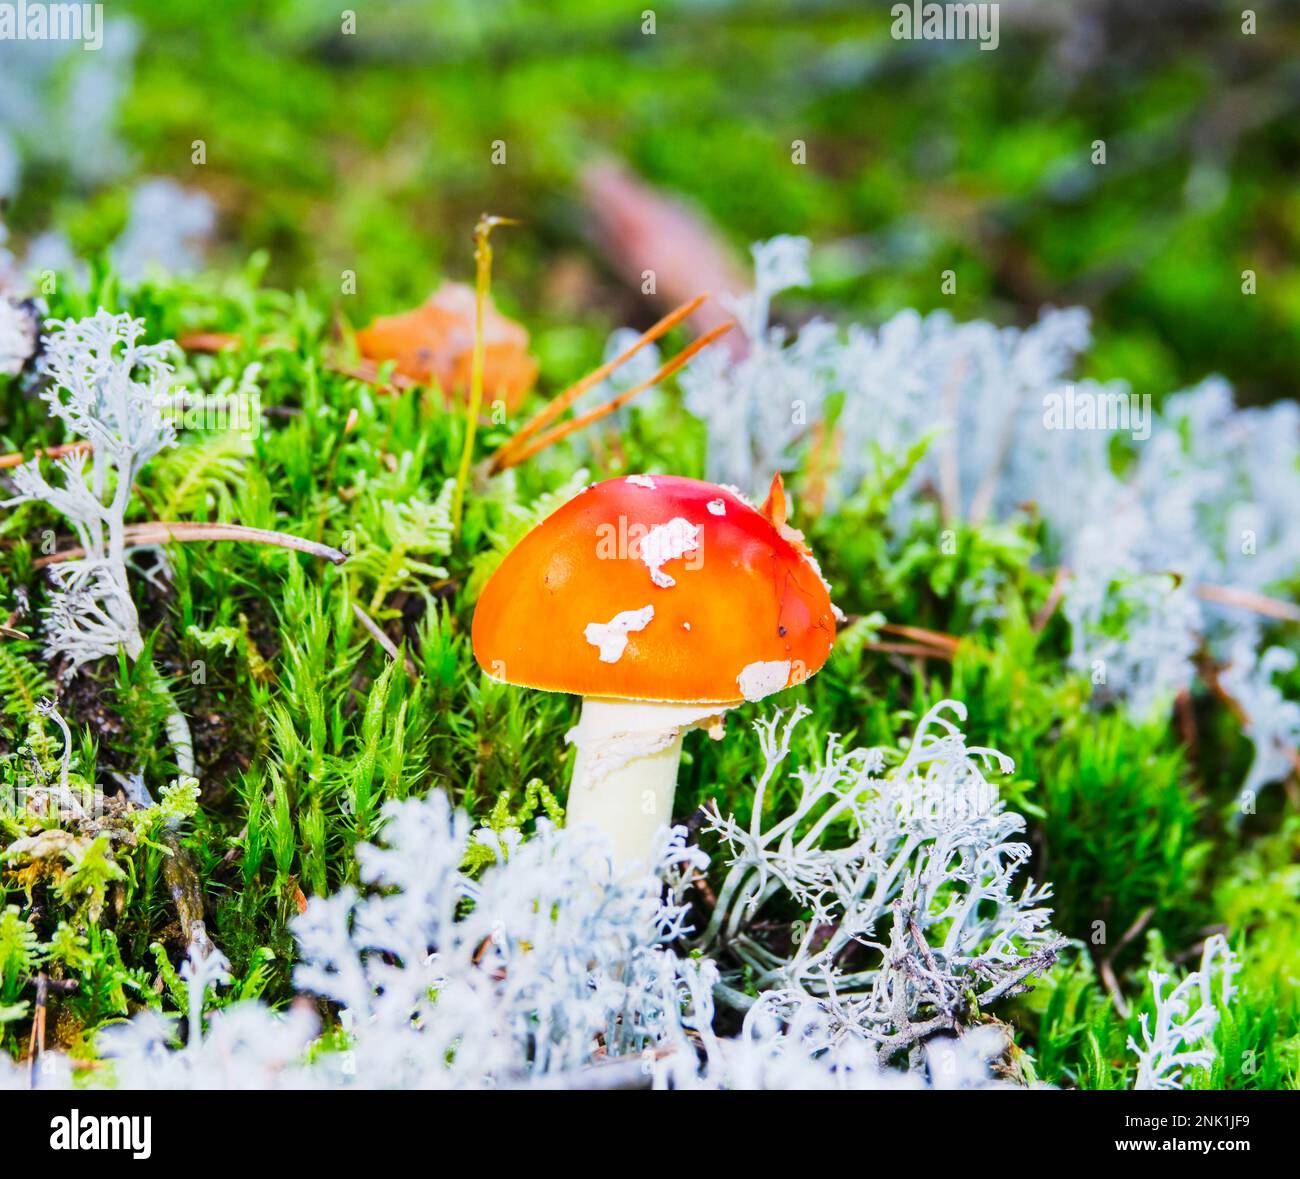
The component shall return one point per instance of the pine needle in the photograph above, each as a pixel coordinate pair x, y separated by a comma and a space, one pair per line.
515, 455
561, 401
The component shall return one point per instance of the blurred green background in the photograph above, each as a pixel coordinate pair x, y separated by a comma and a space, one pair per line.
371, 151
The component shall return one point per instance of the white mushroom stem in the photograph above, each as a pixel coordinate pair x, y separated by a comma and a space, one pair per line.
625, 775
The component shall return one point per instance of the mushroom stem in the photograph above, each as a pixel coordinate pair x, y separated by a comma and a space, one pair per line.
625, 775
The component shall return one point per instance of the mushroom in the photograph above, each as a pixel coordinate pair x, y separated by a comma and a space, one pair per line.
662, 602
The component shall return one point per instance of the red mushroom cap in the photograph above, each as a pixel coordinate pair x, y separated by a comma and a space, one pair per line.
655, 587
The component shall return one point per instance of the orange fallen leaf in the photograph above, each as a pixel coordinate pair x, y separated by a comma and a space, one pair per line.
435, 341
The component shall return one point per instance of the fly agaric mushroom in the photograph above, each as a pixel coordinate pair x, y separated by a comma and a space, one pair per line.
662, 602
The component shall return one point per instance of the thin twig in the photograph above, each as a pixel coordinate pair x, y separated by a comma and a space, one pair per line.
918, 649
376, 632
1230, 595
1054, 596
226, 341
932, 638
18, 458
924, 644
1107, 969
45, 986
1224, 595
368, 371
36, 1040
161, 532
